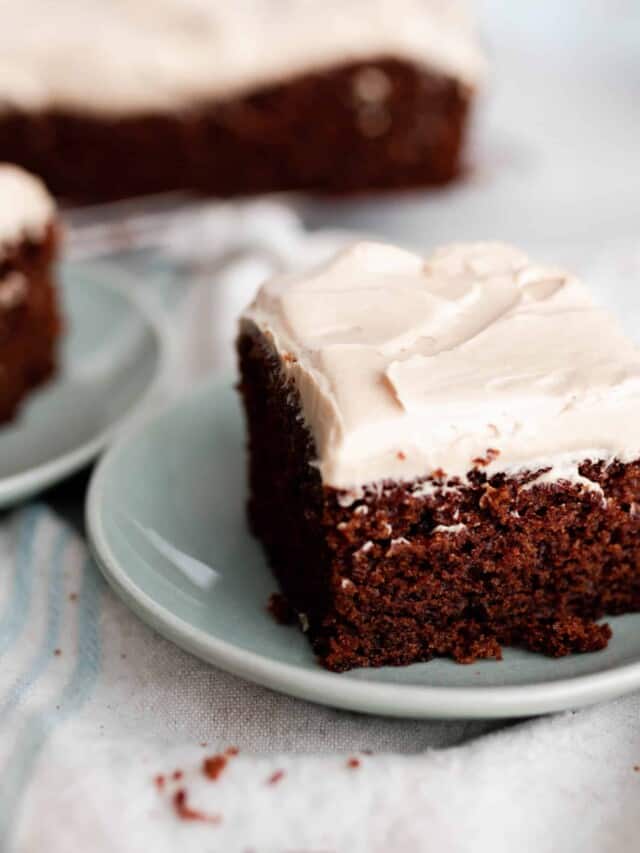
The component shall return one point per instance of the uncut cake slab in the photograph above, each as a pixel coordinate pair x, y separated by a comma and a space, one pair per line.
236, 97
443, 455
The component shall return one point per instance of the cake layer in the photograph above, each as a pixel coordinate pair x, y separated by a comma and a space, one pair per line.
172, 55
381, 124
473, 358
434, 567
30, 322
29, 316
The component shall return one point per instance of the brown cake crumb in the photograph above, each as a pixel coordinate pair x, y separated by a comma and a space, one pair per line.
353, 763
177, 775
159, 781
231, 751
483, 461
281, 610
57, 652
185, 812
73, 596
213, 766
275, 777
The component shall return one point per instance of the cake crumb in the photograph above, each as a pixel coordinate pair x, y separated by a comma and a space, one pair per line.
213, 766
636, 768
231, 751
159, 781
177, 775
401, 456
73, 596
57, 652
275, 777
185, 812
490, 454
279, 607
353, 763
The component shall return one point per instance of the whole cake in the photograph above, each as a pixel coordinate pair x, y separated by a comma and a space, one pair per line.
444, 455
111, 99
29, 318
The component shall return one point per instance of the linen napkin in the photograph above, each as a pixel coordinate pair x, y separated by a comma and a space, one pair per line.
112, 739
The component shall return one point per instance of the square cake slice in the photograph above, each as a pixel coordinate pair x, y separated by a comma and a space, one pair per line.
233, 97
29, 317
444, 455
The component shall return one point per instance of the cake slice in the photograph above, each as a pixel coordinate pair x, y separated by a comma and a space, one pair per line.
236, 96
29, 317
444, 455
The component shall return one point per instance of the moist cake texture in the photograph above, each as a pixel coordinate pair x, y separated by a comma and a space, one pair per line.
443, 455
29, 316
241, 97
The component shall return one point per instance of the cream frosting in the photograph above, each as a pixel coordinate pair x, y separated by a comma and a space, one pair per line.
472, 357
26, 208
164, 54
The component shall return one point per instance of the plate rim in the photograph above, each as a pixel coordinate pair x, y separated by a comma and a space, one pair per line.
337, 690
27, 483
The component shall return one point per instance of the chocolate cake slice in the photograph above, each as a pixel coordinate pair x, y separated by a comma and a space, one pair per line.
236, 96
29, 317
444, 455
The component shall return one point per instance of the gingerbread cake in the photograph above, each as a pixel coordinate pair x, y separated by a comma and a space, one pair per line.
444, 455
106, 100
29, 317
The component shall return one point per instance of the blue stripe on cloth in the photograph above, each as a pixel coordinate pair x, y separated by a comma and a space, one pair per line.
44, 656
40, 724
14, 618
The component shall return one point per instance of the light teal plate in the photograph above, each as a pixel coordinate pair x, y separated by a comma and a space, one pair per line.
113, 358
166, 521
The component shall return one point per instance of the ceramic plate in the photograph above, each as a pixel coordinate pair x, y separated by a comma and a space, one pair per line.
166, 522
113, 356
